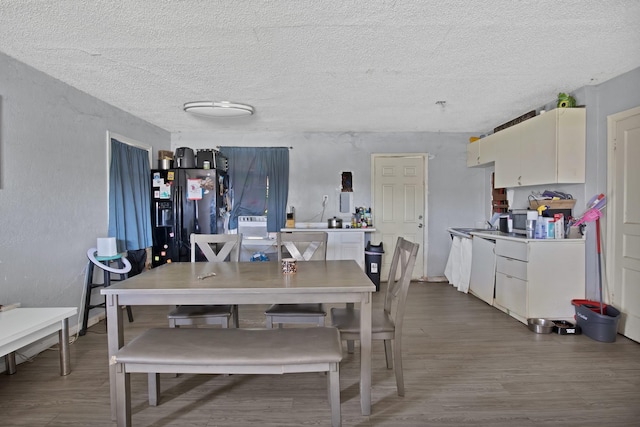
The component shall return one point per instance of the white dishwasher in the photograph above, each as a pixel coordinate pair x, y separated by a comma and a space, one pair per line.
483, 269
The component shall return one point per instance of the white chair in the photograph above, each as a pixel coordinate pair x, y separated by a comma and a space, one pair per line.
386, 324
303, 246
215, 248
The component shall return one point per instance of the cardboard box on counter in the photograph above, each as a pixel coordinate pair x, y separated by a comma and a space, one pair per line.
553, 204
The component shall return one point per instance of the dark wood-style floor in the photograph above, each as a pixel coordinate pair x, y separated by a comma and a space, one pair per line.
465, 364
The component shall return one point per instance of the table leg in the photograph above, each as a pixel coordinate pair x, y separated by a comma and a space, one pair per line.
365, 355
63, 344
10, 363
115, 341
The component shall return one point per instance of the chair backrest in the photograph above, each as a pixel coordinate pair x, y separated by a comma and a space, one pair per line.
395, 298
303, 245
216, 247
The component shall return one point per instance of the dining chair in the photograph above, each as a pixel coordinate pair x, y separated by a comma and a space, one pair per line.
302, 246
386, 324
214, 248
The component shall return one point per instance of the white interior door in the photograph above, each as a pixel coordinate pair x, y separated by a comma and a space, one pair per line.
623, 219
399, 187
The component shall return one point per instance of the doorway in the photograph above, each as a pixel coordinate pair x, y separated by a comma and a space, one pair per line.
623, 218
399, 205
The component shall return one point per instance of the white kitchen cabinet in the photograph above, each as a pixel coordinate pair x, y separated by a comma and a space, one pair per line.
483, 269
507, 155
473, 154
547, 149
342, 243
346, 245
481, 152
539, 278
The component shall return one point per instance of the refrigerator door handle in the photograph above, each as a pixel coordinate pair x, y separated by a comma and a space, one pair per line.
177, 203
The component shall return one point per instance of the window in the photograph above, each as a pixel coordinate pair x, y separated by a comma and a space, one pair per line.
258, 183
129, 194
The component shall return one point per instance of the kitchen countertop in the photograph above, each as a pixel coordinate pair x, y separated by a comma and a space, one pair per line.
495, 234
331, 230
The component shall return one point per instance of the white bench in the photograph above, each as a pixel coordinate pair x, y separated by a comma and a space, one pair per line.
227, 351
22, 326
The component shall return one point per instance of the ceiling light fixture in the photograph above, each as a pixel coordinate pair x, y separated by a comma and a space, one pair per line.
218, 109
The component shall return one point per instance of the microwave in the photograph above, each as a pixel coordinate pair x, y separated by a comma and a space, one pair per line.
519, 220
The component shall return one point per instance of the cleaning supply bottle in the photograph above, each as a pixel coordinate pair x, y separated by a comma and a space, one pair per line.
541, 229
532, 218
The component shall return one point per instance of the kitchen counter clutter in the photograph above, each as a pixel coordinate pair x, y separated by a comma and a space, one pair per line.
532, 278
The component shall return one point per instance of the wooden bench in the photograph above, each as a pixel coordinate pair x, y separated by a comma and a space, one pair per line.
227, 351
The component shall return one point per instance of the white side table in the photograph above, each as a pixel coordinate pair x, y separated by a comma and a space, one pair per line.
22, 326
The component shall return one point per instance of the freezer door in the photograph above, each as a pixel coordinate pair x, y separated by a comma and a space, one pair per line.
163, 217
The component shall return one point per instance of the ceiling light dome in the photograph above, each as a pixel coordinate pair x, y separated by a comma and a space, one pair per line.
218, 109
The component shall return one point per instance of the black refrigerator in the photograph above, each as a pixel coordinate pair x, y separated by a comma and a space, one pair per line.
185, 201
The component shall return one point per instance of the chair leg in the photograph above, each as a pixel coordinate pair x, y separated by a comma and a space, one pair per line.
123, 401
269, 322
334, 394
129, 314
350, 346
153, 381
87, 298
397, 362
388, 353
236, 317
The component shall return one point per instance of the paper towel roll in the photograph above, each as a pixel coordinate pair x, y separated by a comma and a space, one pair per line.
107, 246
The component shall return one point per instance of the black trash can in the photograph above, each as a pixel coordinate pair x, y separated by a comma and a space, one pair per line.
373, 262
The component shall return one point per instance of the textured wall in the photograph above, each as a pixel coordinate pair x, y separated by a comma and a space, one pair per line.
53, 183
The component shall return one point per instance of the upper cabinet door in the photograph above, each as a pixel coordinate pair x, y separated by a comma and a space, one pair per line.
473, 154
481, 152
507, 154
572, 146
538, 155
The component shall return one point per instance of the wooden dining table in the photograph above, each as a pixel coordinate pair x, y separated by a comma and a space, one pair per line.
186, 283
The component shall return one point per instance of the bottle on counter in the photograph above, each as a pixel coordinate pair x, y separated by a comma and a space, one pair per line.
541, 228
532, 217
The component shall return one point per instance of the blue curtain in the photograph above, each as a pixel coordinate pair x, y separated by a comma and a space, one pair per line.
277, 165
249, 168
129, 197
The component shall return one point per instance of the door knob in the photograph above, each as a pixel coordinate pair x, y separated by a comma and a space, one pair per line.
419, 225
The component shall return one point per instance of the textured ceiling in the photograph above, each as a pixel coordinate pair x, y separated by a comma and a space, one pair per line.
330, 65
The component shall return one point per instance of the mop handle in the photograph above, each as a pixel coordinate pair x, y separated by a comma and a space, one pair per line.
599, 263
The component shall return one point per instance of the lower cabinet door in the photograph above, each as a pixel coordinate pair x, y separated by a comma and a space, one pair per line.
346, 245
511, 296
